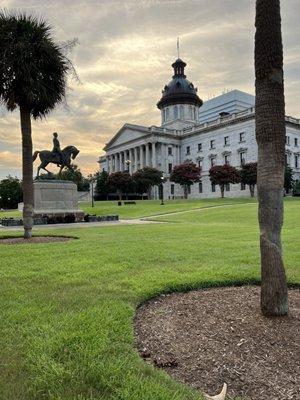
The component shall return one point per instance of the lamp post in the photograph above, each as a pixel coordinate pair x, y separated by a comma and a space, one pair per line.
127, 162
92, 187
161, 189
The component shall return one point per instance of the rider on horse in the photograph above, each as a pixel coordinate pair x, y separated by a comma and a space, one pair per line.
56, 148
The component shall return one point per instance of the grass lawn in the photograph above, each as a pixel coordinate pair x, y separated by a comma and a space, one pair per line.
144, 208
67, 308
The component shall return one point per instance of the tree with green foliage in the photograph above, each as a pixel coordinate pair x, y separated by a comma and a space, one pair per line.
185, 175
223, 175
33, 74
10, 192
288, 179
248, 174
270, 136
102, 186
144, 179
75, 175
120, 182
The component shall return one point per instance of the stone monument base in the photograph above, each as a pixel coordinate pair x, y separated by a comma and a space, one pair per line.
56, 199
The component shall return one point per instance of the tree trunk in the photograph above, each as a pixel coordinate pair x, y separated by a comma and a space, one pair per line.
222, 191
119, 193
252, 187
270, 136
149, 193
185, 191
27, 171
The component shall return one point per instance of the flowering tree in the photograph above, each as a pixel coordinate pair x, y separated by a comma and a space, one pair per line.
249, 176
144, 179
185, 175
223, 175
121, 182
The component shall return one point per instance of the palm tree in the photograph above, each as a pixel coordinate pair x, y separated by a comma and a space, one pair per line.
270, 136
33, 73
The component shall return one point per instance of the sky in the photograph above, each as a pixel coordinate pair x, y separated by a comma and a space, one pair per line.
123, 58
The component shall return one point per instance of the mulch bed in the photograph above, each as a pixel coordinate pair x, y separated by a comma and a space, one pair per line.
207, 337
35, 239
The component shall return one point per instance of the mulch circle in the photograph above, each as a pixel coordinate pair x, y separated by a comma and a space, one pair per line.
207, 337
35, 239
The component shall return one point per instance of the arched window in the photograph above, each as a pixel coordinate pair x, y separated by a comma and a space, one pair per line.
175, 112
167, 114
181, 111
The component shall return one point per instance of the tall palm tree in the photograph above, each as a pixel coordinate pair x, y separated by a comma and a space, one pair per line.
270, 136
33, 73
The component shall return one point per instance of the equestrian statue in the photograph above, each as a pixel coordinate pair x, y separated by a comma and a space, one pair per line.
62, 158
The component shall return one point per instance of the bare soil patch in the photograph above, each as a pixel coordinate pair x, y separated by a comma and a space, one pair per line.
207, 337
35, 239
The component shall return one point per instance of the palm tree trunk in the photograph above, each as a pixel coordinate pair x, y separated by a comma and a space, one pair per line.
27, 171
270, 136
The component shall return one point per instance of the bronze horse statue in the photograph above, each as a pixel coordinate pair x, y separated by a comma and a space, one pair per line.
61, 160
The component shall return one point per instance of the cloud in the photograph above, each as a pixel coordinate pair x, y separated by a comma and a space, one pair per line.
124, 57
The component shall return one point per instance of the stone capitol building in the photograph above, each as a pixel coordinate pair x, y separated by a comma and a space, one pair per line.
218, 131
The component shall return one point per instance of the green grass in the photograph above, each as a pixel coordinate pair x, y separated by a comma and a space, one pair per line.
145, 208
67, 308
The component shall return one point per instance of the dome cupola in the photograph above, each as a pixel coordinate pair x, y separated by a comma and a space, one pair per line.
179, 99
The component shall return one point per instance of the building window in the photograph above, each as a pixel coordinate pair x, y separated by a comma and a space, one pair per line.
243, 186
181, 109
200, 163
226, 140
213, 161
188, 150
296, 142
195, 114
175, 112
212, 144
242, 136
172, 189
287, 159
170, 151
287, 140
296, 161
242, 158
213, 187
226, 159
200, 187
199, 146
227, 187
170, 168
167, 114
191, 112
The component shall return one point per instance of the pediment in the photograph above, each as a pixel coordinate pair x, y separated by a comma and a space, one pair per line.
127, 134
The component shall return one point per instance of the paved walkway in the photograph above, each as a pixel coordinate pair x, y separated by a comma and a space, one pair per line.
82, 224
193, 209
137, 221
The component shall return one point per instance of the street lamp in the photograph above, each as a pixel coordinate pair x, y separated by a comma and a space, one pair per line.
127, 162
92, 187
161, 189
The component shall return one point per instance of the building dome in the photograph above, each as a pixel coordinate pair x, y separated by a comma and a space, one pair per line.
179, 90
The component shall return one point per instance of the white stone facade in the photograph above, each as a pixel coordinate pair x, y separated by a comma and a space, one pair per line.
228, 138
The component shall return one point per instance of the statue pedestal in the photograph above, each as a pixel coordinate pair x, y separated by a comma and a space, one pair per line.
56, 199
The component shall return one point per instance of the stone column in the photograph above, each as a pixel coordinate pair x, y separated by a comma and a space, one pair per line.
153, 155
109, 164
141, 156
135, 159
167, 158
147, 155
131, 161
